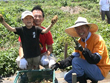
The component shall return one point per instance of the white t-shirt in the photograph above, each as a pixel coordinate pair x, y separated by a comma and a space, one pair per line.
104, 5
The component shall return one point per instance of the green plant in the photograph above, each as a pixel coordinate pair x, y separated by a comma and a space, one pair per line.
12, 13
7, 62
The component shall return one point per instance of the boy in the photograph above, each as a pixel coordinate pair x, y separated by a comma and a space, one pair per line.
29, 35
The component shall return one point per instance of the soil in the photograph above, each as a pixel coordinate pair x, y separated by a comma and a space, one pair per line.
59, 76
73, 10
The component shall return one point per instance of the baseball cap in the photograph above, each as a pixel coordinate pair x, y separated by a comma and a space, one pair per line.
26, 13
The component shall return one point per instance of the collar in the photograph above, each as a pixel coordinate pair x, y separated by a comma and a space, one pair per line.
87, 37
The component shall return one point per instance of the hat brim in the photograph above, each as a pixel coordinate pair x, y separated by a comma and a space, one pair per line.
72, 32
26, 16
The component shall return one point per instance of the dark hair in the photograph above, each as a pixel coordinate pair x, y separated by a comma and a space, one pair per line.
38, 7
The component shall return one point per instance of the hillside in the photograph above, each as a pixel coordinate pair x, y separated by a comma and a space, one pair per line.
67, 12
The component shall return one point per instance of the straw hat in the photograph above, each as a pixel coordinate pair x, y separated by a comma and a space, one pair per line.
79, 22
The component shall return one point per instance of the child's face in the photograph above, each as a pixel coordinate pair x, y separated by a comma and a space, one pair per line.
28, 21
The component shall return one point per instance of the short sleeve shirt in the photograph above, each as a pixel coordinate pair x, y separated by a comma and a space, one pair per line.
30, 41
104, 5
44, 39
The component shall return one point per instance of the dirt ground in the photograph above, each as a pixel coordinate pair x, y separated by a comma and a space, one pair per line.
72, 10
58, 74
61, 79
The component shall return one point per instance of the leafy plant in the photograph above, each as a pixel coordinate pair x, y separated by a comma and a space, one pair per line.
7, 62
12, 13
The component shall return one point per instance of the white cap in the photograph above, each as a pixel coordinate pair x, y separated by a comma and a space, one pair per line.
26, 13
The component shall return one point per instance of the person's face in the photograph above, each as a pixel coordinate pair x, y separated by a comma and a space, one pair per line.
38, 17
82, 31
28, 21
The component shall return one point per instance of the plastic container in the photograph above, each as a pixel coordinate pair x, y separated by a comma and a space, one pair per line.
35, 76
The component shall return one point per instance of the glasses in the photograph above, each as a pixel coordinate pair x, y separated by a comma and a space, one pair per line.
38, 16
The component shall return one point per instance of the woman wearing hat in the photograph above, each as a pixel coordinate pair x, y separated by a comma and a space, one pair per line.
90, 58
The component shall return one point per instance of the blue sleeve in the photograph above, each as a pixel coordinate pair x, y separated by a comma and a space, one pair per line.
98, 55
75, 54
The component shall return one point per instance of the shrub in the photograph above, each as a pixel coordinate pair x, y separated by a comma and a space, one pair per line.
7, 62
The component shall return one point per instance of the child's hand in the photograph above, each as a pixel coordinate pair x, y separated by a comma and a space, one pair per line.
54, 19
1, 18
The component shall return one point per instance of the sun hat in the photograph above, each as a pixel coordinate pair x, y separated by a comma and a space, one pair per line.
26, 13
79, 22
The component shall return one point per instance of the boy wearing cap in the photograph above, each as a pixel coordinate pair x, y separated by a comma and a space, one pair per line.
29, 36
94, 60
45, 40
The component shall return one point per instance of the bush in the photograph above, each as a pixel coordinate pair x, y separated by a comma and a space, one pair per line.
7, 62
12, 13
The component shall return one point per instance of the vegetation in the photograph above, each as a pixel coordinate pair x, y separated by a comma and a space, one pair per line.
12, 10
